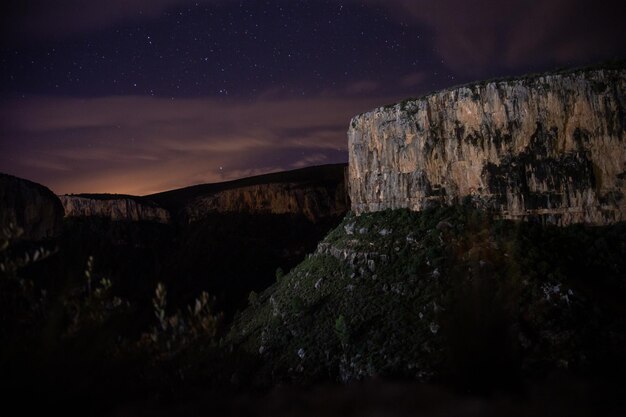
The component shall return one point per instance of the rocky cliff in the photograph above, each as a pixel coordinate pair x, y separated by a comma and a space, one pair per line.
128, 209
313, 192
312, 201
30, 206
549, 146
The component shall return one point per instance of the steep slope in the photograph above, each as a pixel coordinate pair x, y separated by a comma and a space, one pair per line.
444, 294
30, 206
551, 146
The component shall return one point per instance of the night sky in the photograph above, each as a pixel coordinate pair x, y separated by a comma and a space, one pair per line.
140, 96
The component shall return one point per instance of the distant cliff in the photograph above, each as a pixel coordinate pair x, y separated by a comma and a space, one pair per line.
550, 146
315, 193
31, 206
313, 202
121, 208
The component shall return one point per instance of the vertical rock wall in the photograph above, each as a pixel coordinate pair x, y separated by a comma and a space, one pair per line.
116, 209
551, 147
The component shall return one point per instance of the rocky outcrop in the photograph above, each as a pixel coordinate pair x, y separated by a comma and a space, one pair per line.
30, 206
550, 146
117, 209
311, 201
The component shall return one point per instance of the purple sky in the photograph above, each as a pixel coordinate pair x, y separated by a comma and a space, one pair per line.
140, 96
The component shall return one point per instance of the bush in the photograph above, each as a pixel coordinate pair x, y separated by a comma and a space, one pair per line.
279, 274
92, 305
178, 331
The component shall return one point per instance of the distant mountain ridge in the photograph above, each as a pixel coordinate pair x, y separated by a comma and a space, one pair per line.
315, 192
323, 175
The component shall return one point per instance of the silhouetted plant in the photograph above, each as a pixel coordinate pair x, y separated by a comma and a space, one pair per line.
22, 304
341, 330
92, 305
279, 274
178, 331
253, 298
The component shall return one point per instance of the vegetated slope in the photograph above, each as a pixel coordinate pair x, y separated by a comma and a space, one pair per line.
444, 294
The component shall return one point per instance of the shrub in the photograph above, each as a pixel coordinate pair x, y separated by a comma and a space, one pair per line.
341, 330
91, 305
176, 332
279, 274
22, 303
253, 298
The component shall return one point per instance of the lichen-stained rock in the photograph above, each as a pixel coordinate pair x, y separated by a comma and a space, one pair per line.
30, 206
117, 209
550, 146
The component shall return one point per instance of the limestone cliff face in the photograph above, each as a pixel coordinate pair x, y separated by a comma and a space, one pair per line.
550, 146
312, 201
116, 209
31, 206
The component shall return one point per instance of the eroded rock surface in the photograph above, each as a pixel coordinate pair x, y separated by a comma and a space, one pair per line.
550, 147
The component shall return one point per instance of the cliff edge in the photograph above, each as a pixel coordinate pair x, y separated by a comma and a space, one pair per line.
550, 147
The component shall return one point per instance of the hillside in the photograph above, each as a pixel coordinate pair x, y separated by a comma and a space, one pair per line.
446, 294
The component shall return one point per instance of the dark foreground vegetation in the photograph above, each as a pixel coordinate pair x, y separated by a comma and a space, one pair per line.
446, 312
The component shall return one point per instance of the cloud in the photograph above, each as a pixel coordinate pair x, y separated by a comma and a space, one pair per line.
360, 87
473, 36
83, 145
311, 160
414, 79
